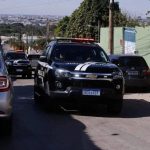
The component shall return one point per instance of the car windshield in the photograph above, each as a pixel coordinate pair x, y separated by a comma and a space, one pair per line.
15, 56
34, 57
132, 61
78, 53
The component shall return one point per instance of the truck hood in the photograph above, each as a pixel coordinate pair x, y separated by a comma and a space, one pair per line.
91, 67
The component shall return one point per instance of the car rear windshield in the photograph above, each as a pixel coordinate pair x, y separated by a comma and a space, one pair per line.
15, 56
78, 53
132, 61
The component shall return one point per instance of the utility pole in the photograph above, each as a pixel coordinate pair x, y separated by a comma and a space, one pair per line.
1, 49
47, 30
111, 27
0, 42
27, 43
99, 30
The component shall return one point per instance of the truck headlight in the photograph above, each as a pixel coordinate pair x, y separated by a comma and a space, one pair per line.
8, 63
61, 73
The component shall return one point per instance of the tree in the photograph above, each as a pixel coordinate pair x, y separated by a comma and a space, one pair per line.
62, 26
84, 21
19, 28
39, 44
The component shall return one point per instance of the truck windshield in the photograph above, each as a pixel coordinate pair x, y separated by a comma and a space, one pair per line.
77, 53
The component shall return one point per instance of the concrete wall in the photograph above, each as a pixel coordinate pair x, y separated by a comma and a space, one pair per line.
104, 39
142, 41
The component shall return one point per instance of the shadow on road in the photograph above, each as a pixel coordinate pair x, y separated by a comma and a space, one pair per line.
135, 108
34, 129
132, 108
137, 90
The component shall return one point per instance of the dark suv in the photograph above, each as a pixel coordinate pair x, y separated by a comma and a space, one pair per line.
18, 64
78, 70
135, 70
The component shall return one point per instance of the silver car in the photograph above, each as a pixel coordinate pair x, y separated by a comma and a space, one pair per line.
6, 96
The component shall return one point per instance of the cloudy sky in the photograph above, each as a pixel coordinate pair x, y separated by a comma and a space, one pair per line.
64, 7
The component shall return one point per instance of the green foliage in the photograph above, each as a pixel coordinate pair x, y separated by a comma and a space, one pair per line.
62, 26
84, 21
19, 28
123, 20
16, 44
39, 44
20, 45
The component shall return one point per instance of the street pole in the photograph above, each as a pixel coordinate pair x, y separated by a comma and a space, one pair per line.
111, 28
1, 49
27, 43
99, 31
47, 30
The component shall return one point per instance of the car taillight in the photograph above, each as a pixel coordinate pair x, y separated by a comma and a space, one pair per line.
4, 84
146, 72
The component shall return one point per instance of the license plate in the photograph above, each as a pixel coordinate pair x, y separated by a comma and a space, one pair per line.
19, 70
91, 76
133, 73
91, 92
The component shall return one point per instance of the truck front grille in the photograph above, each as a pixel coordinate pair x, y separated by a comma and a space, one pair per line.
93, 84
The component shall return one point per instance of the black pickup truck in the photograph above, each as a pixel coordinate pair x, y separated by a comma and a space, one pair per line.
78, 70
18, 64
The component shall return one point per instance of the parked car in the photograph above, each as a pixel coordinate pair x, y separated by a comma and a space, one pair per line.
18, 64
6, 97
33, 58
135, 70
78, 70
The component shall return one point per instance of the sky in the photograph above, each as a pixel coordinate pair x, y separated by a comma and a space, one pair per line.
65, 7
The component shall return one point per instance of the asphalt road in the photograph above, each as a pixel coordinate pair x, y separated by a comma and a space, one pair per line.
36, 129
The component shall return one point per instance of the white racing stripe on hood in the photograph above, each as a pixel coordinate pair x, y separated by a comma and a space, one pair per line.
87, 65
80, 66
16, 61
